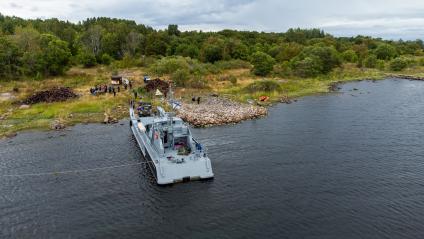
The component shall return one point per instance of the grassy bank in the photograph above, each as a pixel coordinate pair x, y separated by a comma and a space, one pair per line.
292, 87
88, 109
84, 109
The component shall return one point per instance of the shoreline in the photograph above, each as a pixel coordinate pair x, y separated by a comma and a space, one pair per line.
228, 111
406, 77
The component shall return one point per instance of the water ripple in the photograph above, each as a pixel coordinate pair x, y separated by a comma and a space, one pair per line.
333, 166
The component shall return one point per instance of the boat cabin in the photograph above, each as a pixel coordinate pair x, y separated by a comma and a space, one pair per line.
144, 109
170, 139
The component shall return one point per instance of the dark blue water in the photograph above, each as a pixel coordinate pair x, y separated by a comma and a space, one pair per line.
345, 165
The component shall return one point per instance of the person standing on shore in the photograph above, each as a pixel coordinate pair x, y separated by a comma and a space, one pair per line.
198, 100
114, 92
135, 94
130, 84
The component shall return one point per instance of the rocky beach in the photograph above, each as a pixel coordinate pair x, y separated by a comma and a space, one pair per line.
218, 111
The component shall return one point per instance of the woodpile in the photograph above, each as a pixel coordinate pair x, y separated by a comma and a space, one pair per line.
51, 95
157, 84
218, 111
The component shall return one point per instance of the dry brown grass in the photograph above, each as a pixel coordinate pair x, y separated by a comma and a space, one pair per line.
88, 108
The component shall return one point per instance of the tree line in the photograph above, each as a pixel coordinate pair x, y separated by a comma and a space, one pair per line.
39, 48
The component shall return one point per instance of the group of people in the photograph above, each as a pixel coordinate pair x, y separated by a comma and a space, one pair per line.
127, 84
104, 89
111, 89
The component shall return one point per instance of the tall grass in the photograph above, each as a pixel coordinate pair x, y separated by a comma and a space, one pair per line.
264, 86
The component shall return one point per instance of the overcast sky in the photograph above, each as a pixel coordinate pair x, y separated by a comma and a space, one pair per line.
392, 19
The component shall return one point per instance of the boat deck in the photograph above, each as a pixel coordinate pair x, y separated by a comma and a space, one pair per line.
174, 162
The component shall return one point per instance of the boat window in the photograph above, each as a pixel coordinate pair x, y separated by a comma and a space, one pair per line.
165, 137
180, 142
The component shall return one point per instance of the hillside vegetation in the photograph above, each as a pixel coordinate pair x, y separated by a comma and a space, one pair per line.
39, 54
40, 48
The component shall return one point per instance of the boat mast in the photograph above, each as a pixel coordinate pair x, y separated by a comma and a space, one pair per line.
170, 115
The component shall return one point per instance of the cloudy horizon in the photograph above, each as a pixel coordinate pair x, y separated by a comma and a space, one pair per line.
388, 19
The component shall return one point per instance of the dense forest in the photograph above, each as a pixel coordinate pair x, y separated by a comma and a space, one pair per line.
39, 48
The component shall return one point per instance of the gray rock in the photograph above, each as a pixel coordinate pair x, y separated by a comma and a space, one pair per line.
57, 125
218, 111
24, 106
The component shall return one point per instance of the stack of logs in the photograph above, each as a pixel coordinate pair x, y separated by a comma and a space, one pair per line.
51, 95
157, 84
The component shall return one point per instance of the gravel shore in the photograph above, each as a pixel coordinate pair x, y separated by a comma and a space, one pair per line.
218, 111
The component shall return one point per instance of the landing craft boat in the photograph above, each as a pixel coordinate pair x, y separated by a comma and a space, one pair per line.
166, 142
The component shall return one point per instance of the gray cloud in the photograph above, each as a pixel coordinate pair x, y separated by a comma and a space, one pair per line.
34, 9
14, 5
382, 18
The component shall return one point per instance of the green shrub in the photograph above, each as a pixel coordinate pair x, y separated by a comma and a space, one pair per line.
398, 64
147, 61
232, 64
141, 90
381, 65
198, 81
262, 63
233, 80
350, 56
223, 77
187, 50
169, 65
230, 78
315, 60
385, 51
283, 70
370, 61
199, 68
308, 67
205, 68
263, 86
10, 59
126, 62
87, 59
181, 77
213, 49
411, 62
55, 56
421, 61
106, 59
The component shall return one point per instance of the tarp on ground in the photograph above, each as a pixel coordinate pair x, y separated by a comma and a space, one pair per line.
158, 93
